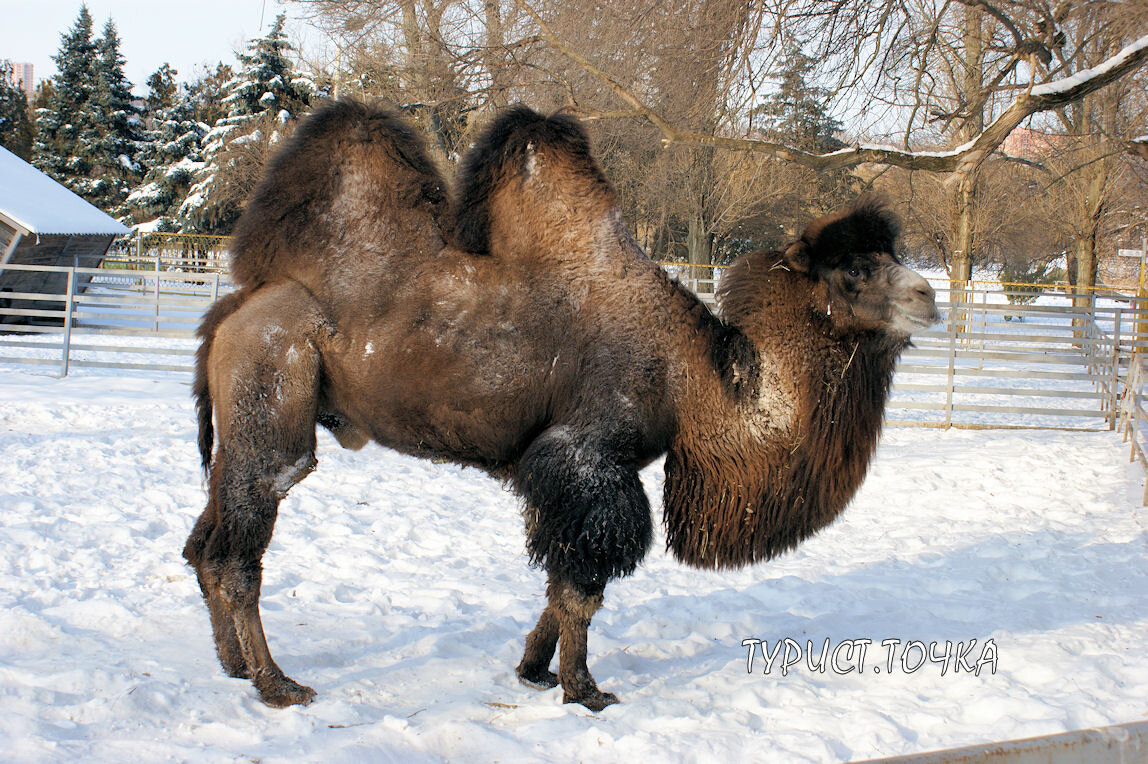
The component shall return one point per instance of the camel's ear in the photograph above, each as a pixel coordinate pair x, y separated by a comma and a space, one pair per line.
798, 256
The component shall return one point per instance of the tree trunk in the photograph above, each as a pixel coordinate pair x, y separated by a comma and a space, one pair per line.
964, 215
699, 252
965, 194
494, 57
1085, 248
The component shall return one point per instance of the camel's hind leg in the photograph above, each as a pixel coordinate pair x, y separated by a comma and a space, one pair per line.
263, 372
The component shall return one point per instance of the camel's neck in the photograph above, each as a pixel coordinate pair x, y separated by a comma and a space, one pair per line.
750, 475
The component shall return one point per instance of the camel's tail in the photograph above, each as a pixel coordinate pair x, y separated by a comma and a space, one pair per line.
215, 315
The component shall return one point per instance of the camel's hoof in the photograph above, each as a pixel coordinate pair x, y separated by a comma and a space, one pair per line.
539, 680
595, 700
285, 692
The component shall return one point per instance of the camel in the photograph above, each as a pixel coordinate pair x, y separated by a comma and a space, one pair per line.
515, 326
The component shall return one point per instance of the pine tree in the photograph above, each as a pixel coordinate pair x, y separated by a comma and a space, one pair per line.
173, 150
262, 100
796, 113
161, 88
114, 170
15, 127
67, 129
267, 80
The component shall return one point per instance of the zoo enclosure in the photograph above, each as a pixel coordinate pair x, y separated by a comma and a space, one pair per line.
1068, 361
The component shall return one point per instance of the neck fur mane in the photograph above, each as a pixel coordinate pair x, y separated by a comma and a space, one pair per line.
766, 456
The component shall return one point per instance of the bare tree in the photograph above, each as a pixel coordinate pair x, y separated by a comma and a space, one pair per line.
968, 69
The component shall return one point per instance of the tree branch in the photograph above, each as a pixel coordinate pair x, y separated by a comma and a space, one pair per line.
960, 161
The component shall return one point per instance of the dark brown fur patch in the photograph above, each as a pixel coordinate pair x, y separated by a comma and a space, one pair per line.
866, 226
283, 223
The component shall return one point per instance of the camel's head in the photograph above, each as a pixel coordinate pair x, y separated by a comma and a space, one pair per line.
861, 285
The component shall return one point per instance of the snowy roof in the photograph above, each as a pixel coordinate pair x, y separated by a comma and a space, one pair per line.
40, 205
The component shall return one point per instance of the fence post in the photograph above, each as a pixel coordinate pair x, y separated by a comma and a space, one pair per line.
69, 303
157, 293
1114, 380
214, 287
952, 371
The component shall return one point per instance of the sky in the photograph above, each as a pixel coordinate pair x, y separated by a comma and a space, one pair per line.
188, 34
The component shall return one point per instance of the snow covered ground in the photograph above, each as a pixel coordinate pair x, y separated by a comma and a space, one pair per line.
399, 589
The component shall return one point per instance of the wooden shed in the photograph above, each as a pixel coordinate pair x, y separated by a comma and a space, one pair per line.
43, 223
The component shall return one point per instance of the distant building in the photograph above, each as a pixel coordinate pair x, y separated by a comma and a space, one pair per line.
1032, 144
21, 76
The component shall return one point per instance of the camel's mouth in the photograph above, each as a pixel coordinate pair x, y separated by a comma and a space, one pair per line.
918, 303
932, 318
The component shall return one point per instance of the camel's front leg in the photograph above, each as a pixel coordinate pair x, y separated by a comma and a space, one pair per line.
574, 609
566, 619
534, 669
587, 522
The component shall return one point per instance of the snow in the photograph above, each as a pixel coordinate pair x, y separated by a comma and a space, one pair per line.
145, 193
150, 226
40, 205
399, 589
1068, 83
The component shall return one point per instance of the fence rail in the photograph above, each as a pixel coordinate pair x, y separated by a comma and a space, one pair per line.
1062, 361
73, 328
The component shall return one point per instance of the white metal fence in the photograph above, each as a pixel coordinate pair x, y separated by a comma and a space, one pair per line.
1061, 361
992, 363
120, 319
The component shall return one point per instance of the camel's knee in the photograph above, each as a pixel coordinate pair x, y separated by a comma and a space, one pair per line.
574, 603
587, 517
288, 475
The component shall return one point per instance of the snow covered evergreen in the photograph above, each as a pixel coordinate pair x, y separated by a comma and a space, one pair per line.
88, 134
262, 102
114, 168
173, 153
67, 129
15, 125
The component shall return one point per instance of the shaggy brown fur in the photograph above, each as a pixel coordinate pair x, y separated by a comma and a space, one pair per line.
521, 330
